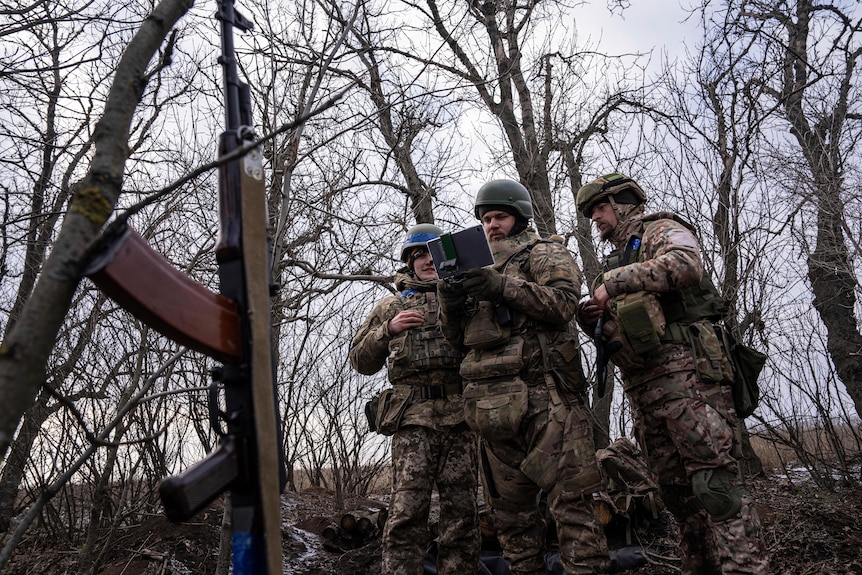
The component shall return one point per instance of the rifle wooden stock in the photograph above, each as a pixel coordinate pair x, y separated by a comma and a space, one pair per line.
184, 495
144, 283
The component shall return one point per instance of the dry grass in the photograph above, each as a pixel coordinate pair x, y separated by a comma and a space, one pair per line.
823, 451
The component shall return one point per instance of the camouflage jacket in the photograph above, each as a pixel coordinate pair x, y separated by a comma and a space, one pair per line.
669, 261
541, 291
415, 359
669, 258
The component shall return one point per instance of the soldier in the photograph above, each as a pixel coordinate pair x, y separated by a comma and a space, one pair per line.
424, 413
660, 311
525, 392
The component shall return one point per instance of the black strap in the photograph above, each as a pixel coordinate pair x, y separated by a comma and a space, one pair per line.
435, 391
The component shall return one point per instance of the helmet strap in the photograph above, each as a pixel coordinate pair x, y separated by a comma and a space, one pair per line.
520, 225
411, 258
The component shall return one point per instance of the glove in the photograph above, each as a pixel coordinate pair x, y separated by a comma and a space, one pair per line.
484, 283
625, 559
452, 298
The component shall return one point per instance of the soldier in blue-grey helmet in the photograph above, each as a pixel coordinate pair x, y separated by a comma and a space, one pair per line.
525, 392
423, 411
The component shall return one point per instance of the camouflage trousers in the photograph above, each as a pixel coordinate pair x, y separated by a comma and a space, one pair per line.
421, 459
686, 428
554, 452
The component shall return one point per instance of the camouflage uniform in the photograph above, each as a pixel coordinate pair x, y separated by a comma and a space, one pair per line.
526, 397
431, 445
680, 394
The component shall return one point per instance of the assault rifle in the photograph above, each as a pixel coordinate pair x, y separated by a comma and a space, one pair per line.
232, 327
601, 357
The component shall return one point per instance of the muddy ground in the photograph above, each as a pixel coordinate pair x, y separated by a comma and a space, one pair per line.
807, 531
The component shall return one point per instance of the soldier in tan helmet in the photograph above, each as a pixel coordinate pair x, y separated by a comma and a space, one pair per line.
423, 411
661, 312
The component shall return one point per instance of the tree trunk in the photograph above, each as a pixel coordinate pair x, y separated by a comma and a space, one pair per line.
13, 470
26, 347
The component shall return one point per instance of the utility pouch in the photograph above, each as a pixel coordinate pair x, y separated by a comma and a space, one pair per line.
384, 411
483, 329
504, 361
711, 363
371, 407
496, 409
566, 365
642, 320
747, 365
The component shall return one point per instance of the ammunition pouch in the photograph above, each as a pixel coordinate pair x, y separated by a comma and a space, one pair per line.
711, 361
506, 360
484, 330
641, 318
496, 408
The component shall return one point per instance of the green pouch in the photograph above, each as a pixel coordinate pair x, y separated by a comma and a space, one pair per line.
483, 330
638, 316
747, 365
712, 364
495, 409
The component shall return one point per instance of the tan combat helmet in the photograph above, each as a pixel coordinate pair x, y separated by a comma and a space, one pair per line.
614, 188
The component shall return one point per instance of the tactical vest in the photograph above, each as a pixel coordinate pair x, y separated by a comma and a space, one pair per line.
497, 348
680, 307
420, 349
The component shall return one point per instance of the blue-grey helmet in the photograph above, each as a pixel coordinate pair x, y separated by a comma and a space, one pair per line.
418, 236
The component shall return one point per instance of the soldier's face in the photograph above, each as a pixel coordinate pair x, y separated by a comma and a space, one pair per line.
423, 266
497, 224
605, 219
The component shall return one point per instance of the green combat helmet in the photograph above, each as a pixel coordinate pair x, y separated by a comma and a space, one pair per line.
417, 236
622, 189
504, 193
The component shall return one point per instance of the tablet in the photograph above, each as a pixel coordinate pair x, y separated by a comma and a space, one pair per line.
455, 253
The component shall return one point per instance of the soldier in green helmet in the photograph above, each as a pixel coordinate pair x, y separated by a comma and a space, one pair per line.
423, 411
525, 392
660, 313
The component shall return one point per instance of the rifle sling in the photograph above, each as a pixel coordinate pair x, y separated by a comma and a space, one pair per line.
256, 262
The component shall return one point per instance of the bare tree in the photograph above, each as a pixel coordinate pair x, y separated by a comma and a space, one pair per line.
28, 344
805, 58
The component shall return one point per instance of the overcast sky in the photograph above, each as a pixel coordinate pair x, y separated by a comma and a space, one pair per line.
646, 25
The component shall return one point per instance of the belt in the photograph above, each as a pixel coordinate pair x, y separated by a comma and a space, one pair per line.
435, 391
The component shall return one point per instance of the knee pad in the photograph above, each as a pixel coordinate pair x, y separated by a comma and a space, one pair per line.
680, 501
717, 492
